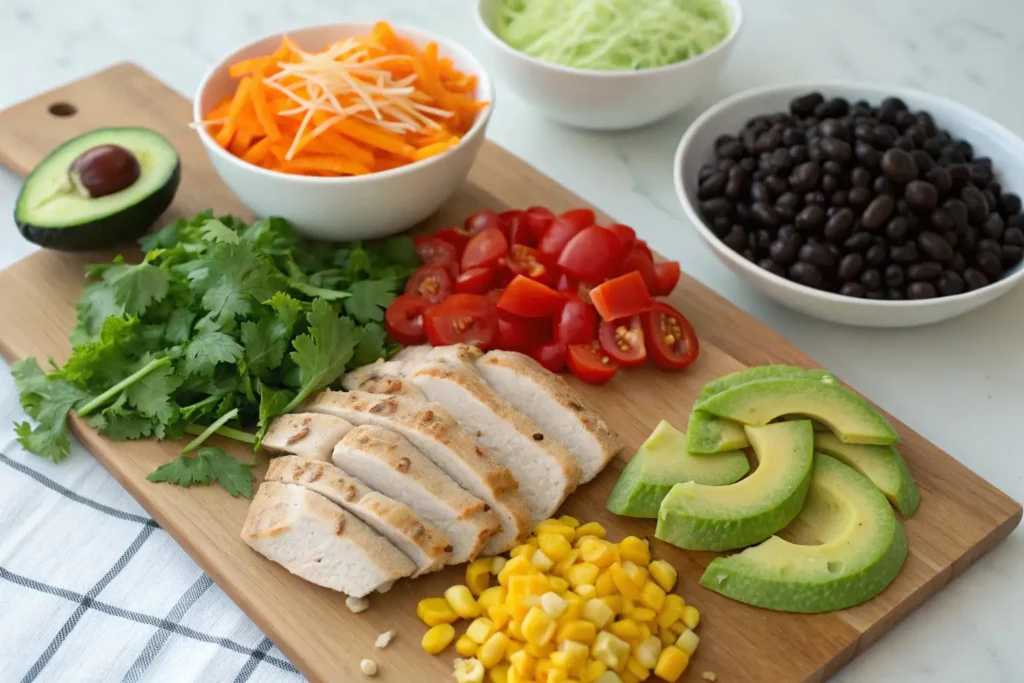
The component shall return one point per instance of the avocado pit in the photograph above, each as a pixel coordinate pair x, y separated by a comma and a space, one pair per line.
104, 170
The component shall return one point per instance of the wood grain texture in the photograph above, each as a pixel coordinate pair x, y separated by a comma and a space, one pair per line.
961, 516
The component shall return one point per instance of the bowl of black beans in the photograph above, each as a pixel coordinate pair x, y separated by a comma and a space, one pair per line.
858, 204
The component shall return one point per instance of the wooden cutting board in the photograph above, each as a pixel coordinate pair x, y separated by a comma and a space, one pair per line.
961, 516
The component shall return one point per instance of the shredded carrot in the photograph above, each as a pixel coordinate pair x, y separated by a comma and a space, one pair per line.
361, 105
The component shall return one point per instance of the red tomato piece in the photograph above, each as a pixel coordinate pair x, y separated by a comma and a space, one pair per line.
667, 275
475, 280
590, 363
575, 322
485, 249
640, 261
592, 254
621, 297
457, 237
432, 282
642, 246
623, 341
626, 235
567, 283
529, 298
519, 231
538, 220
462, 319
508, 216
404, 319
481, 220
516, 333
494, 295
523, 260
551, 355
670, 336
435, 251
556, 237
583, 218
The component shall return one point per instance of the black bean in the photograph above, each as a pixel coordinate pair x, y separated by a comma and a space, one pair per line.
1015, 221
705, 171
949, 283
1014, 236
867, 155
981, 174
719, 206
974, 279
921, 196
877, 212
840, 225
780, 160
871, 279
736, 238
876, 255
957, 211
905, 142
859, 197
816, 197
835, 149
806, 274
747, 254
748, 164
881, 185
810, 219
772, 267
903, 253
766, 142
921, 290
724, 164
1009, 203
860, 177
789, 199
1012, 255
941, 179
894, 275
958, 262
934, 246
793, 136
830, 183
805, 177
817, 255
896, 229
835, 107
923, 162
731, 149
926, 123
894, 294
839, 198
789, 232
850, 266
977, 207
859, 241
777, 184
834, 128
713, 185
854, 289
967, 237
924, 270
989, 263
889, 108
960, 175
805, 104
833, 168
990, 199
759, 192
784, 251
798, 153
898, 166
764, 239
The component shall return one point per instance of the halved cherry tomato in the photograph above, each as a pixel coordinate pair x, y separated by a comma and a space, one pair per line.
523, 260
575, 322
516, 333
551, 355
561, 231
667, 273
642, 246
626, 235
404, 319
518, 231
432, 282
494, 295
462, 319
640, 261
457, 237
481, 220
485, 249
591, 254
508, 216
529, 298
538, 219
621, 297
436, 251
567, 283
670, 336
590, 363
475, 280
623, 341
583, 218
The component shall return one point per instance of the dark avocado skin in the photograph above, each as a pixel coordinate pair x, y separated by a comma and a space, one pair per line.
124, 226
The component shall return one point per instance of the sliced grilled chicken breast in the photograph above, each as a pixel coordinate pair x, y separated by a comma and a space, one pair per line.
390, 464
314, 539
310, 435
382, 377
554, 405
426, 545
432, 430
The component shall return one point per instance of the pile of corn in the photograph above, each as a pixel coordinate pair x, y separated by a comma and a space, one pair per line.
569, 607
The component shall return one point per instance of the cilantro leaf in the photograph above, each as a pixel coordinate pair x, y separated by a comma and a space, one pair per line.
236, 277
179, 326
401, 251
136, 287
94, 306
287, 308
265, 342
152, 394
323, 352
48, 400
209, 348
119, 422
214, 230
369, 299
371, 345
273, 402
103, 360
210, 464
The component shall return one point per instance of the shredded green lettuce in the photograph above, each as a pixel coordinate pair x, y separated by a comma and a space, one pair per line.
613, 35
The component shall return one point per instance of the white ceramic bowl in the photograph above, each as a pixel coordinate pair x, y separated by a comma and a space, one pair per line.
345, 208
604, 100
728, 116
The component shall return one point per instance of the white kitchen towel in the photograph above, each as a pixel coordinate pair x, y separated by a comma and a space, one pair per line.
92, 590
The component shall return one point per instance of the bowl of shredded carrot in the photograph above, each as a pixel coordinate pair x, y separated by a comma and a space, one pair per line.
350, 131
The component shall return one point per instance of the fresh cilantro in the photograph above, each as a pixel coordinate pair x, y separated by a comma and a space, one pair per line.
214, 230
265, 343
48, 401
369, 300
152, 395
136, 287
237, 277
324, 351
287, 308
179, 326
209, 348
208, 465
372, 343
273, 402
94, 306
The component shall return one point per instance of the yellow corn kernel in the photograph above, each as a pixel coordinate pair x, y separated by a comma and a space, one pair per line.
652, 595
539, 651
635, 572
524, 663
645, 631
611, 650
590, 529
538, 628
513, 677
671, 611
562, 566
462, 601
498, 674
593, 670
500, 616
580, 631
492, 651
522, 585
642, 614
614, 603
554, 605
434, 611
582, 574
597, 552
558, 584
553, 526
627, 607
677, 628
627, 629
666, 637
569, 521
647, 652
480, 629
664, 573
562, 660
543, 668
541, 561
604, 584
515, 567
628, 677
555, 546
671, 664
489, 597
688, 641
465, 646
635, 550
478, 575
623, 582
637, 669
512, 648
532, 540
586, 591
579, 652
521, 549
575, 606
437, 638
514, 629
691, 617
557, 676
597, 612
497, 564
468, 671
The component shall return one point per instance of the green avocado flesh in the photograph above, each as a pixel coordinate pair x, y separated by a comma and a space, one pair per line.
662, 462
851, 546
52, 213
851, 418
711, 434
698, 517
882, 465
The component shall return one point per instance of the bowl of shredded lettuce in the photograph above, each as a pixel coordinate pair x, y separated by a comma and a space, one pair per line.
608, 64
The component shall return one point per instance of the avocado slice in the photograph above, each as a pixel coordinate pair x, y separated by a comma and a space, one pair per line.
711, 434
849, 416
861, 549
698, 517
882, 465
660, 463
55, 208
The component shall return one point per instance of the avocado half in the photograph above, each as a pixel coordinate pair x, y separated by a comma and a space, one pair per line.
860, 549
662, 462
52, 212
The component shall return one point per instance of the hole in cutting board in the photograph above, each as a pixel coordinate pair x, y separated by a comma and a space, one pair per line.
63, 109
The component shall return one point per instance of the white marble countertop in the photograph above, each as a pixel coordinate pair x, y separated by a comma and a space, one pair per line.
957, 383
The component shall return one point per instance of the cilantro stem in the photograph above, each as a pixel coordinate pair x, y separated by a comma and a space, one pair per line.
113, 391
318, 292
209, 431
230, 432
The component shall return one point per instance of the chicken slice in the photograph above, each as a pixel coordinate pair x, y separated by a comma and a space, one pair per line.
307, 434
382, 377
